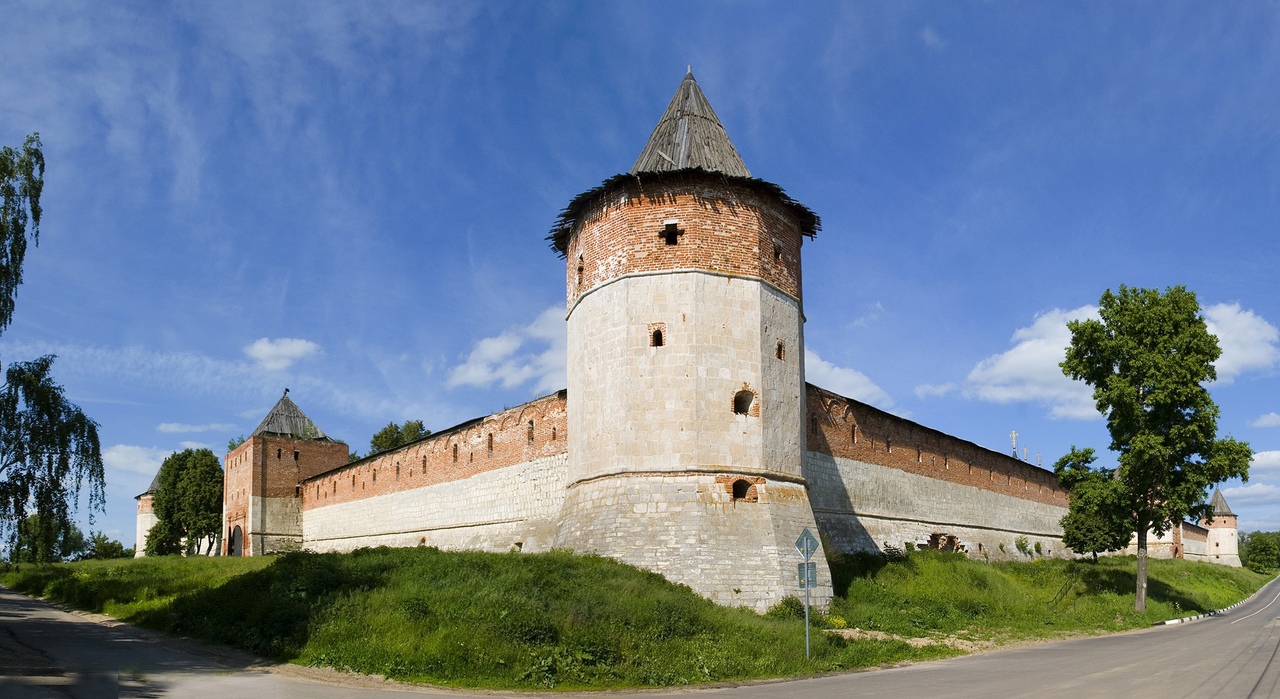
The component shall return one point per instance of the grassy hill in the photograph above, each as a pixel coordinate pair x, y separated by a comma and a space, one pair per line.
515, 621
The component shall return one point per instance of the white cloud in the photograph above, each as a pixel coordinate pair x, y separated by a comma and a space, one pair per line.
144, 461
1029, 371
1248, 341
926, 390
195, 445
931, 39
1265, 463
1253, 495
535, 352
281, 353
850, 383
1268, 420
179, 428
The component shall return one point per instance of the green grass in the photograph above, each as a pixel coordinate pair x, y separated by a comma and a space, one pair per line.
931, 594
465, 619
555, 620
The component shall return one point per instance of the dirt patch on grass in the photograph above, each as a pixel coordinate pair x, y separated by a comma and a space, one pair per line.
961, 644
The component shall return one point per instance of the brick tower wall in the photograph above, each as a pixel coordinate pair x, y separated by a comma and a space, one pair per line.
146, 520
1223, 544
261, 489
656, 444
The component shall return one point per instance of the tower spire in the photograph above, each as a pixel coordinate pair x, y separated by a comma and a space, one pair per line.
690, 135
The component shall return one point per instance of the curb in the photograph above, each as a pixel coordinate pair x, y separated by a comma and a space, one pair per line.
1185, 619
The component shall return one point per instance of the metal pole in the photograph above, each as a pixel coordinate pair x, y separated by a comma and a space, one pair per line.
806, 619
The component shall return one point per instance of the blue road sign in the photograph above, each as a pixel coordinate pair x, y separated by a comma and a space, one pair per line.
807, 545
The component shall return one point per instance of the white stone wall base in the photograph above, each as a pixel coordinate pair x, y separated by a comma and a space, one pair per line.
688, 528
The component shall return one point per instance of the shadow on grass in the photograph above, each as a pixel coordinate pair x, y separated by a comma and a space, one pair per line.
1124, 581
268, 611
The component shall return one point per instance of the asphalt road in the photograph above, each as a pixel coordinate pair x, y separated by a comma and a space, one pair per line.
47, 652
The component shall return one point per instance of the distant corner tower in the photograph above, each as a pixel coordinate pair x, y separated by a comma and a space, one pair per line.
1223, 546
261, 500
686, 366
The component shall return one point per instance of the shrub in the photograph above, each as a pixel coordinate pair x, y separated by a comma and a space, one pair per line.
1023, 545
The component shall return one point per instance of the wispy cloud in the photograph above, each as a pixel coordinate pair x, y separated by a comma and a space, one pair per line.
194, 445
932, 40
1248, 341
125, 458
280, 354
850, 383
926, 390
1268, 420
179, 428
1253, 495
1029, 372
1265, 463
192, 373
532, 353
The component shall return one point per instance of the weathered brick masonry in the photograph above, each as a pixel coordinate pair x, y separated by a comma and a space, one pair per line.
876, 479
492, 483
721, 227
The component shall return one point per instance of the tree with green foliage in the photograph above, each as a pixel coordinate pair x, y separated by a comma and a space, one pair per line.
1260, 551
235, 442
37, 542
1095, 520
100, 546
1147, 359
49, 449
187, 504
394, 435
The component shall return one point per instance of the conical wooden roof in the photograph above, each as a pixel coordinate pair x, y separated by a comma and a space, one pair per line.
1219, 505
690, 135
288, 420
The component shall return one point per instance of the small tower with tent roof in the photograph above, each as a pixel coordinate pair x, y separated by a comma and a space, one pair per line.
146, 517
261, 501
1224, 543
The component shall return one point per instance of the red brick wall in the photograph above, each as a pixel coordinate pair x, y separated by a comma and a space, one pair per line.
888, 440
1194, 533
726, 228
146, 504
271, 467
431, 461
237, 485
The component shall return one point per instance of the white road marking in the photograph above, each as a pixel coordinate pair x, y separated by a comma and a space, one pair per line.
1273, 601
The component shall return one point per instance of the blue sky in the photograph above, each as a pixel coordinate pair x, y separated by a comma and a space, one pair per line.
350, 200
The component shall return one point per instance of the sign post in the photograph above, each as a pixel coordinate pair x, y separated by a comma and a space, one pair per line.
807, 573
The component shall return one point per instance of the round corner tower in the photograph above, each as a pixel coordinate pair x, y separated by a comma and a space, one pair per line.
685, 366
1223, 544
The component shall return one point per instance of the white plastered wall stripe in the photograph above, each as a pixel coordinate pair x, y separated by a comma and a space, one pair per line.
862, 506
492, 510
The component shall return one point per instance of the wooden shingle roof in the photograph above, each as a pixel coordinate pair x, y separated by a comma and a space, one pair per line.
1219, 505
690, 135
689, 144
286, 419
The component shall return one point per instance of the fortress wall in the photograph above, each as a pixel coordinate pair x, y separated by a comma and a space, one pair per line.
854, 431
876, 478
519, 435
1195, 542
493, 510
861, 507
688, 527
